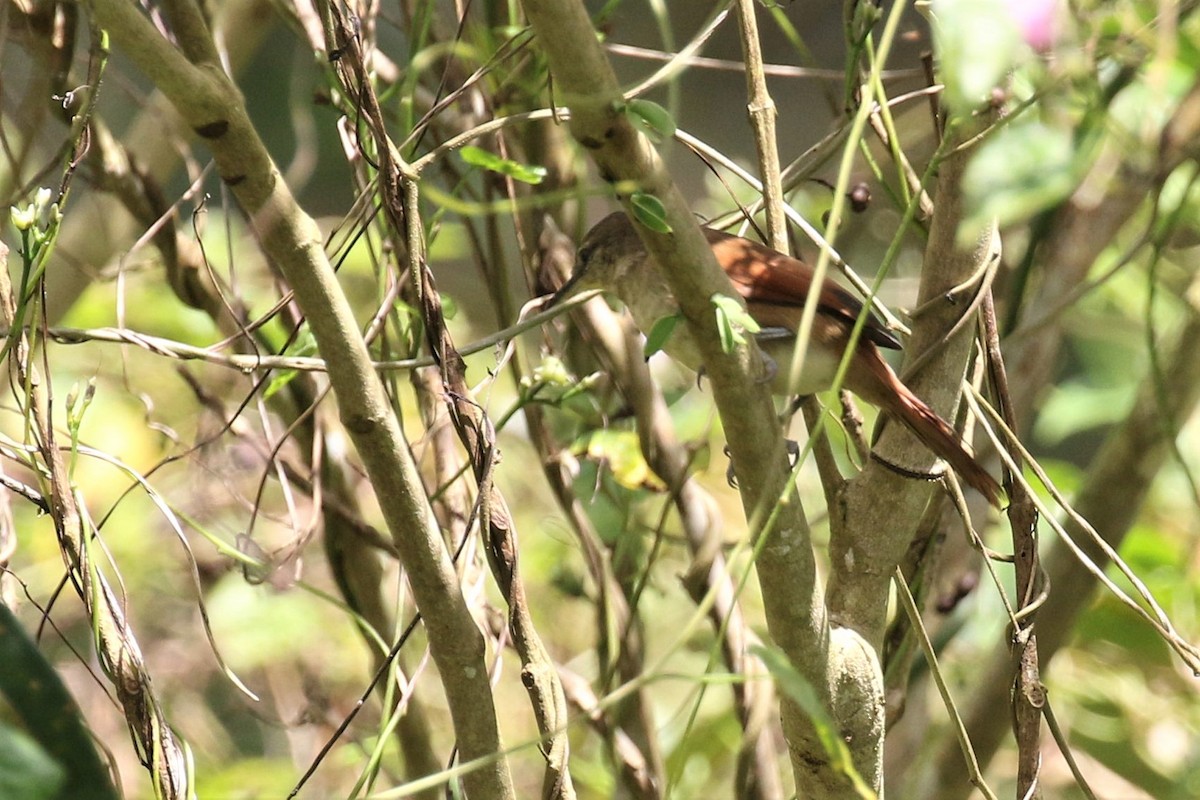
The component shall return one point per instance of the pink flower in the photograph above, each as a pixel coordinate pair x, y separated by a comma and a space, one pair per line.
1038, 21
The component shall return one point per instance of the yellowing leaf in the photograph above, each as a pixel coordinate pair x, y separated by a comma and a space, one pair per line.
622, 452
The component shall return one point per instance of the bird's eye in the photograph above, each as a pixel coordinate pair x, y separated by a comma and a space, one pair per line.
584, 255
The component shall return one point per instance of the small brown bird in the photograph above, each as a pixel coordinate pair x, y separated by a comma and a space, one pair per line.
775, 287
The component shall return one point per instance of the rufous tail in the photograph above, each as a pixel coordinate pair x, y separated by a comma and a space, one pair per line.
872, 379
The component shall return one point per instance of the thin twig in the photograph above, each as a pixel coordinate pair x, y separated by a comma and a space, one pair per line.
960, 730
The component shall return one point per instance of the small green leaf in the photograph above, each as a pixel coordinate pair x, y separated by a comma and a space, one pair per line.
732, 321
864, 19
729, 335
478, 157
650, 211
662, 330
281, 379
1025, 168
305, 345
449, 306
977, 42
651, 118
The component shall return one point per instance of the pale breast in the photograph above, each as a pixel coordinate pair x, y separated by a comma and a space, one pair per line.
649, 300
817, 372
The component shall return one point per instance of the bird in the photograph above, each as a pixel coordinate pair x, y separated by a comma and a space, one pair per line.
775, 286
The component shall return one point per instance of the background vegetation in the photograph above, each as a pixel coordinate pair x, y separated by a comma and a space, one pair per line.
221, 532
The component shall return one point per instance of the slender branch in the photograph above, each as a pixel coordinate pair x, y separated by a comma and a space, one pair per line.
620, 348
786, 564
774, 70
618, 630
882, 507
1113, 491
157, 136
762, 121
636, 773
1029, 695
212, 106
116, 645
908, 603
401, 202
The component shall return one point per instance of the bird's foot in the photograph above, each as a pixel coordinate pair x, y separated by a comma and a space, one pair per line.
793, 454
770, 370
764, 337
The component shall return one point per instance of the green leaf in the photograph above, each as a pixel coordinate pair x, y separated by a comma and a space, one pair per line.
281, 379
651, 119
650, 211
26, 770
449, 306
732, 322
305, 345
1022, 170
977, 43
730, 338
52, 720
662, 330
801, 692
478, 157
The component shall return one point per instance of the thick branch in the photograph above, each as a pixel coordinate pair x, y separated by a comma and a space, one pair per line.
882, 507
213, 107
620, 347
786, 566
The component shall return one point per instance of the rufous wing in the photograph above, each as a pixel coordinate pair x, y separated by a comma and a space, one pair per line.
766, 277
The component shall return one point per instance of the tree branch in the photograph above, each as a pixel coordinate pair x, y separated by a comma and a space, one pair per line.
882, 507
1112, 494
786, 564
212, 106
